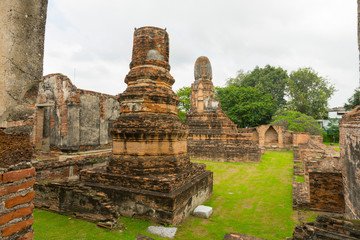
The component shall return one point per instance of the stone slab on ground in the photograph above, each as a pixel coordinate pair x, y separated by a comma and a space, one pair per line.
202, 211
239, 236
168, 232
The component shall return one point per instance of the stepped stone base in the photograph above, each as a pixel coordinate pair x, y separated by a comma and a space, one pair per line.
163, 207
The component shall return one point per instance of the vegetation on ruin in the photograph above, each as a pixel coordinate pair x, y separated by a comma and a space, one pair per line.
247, 107
297, 122
300, 179
249, 198
332, 133
353, 101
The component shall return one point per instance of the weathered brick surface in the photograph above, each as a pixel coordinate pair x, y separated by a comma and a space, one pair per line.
12, 202
149, 142
17, 227
14, 176
27, 236
7, 189
320, 165
15, 148
75, 199
350, 157
53, 169
326, 191
328, 227
22, 212
213, 136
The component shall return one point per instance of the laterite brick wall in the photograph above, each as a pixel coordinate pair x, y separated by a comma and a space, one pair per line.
17, 177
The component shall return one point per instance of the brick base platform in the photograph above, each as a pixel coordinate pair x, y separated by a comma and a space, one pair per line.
162, 207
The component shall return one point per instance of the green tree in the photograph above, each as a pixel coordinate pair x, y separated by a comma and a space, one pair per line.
184, 104
247, 107
353, 101
332, 132
297, 122
309, 93
269, 80
236, 81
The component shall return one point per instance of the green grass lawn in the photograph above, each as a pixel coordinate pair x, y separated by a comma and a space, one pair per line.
248, 198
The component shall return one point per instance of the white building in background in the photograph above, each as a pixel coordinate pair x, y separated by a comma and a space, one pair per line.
333, 113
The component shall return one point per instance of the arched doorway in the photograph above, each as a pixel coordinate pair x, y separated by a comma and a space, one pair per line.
271, 136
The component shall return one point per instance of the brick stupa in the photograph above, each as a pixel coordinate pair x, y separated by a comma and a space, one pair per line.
213, 136
150, 175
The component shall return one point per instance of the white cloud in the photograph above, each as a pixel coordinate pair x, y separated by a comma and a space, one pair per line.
95, 38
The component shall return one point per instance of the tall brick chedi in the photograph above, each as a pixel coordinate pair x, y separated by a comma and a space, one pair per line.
150, 174
213, 136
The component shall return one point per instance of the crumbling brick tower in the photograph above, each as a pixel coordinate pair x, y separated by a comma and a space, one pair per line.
213, 136
150, 174
350, 154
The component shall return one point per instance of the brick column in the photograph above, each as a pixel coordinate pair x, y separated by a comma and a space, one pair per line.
17, 177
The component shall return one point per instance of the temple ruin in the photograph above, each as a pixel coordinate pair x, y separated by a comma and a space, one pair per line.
213, 136
150, 174
72, 119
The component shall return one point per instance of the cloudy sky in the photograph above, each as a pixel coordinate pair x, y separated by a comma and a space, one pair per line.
90, 41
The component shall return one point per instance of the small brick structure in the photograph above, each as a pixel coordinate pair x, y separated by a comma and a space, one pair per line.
277, 138
150, 175
213, 136
320, 166
72, 119
17, 177
350, 157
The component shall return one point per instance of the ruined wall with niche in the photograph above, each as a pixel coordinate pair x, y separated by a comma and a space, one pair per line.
22, 32
274, 137
71, 119
213, 136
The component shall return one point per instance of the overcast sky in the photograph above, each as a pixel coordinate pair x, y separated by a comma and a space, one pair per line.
90, 41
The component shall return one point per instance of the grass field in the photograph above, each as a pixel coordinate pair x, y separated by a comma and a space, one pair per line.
249, 198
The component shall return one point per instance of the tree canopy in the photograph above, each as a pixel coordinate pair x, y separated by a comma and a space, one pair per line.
353, 101
184, 104
309, 93
269, 80
297, 122
247, 107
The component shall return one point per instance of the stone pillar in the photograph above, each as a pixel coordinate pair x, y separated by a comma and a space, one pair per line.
150, 174
22, 29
